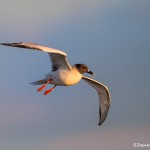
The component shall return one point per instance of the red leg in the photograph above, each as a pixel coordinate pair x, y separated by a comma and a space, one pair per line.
49, 90
43, 86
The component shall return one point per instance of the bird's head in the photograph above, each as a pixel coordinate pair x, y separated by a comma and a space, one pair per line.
83, 69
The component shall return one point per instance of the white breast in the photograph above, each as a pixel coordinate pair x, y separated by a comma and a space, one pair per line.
69, 77
64, 77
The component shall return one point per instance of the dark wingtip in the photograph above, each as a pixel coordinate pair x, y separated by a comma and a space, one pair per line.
2, 43
10, 44
99, 124
6, 44
102, 116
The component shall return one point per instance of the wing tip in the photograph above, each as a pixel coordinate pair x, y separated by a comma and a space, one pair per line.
4, 44
11, 44
103, 116
31, 45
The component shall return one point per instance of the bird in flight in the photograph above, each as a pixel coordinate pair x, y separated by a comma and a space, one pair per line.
63, 74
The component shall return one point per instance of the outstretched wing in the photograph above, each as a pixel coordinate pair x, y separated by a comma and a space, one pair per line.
104, 97
57, 57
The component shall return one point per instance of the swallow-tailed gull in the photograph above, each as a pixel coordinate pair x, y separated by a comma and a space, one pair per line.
63, 74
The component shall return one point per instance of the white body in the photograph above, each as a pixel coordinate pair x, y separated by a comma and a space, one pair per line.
64, 77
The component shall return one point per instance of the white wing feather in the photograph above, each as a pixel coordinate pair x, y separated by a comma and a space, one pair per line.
58, 58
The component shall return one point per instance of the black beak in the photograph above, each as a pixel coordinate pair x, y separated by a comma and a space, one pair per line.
90, 72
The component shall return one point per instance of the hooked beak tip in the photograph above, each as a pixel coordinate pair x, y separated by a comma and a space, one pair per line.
90, 72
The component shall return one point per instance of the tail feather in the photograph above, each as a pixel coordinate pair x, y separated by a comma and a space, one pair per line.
43, 81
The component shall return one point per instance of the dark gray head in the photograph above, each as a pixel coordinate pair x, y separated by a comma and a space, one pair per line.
83, 69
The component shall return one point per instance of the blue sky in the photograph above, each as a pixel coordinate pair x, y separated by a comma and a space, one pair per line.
112, 38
